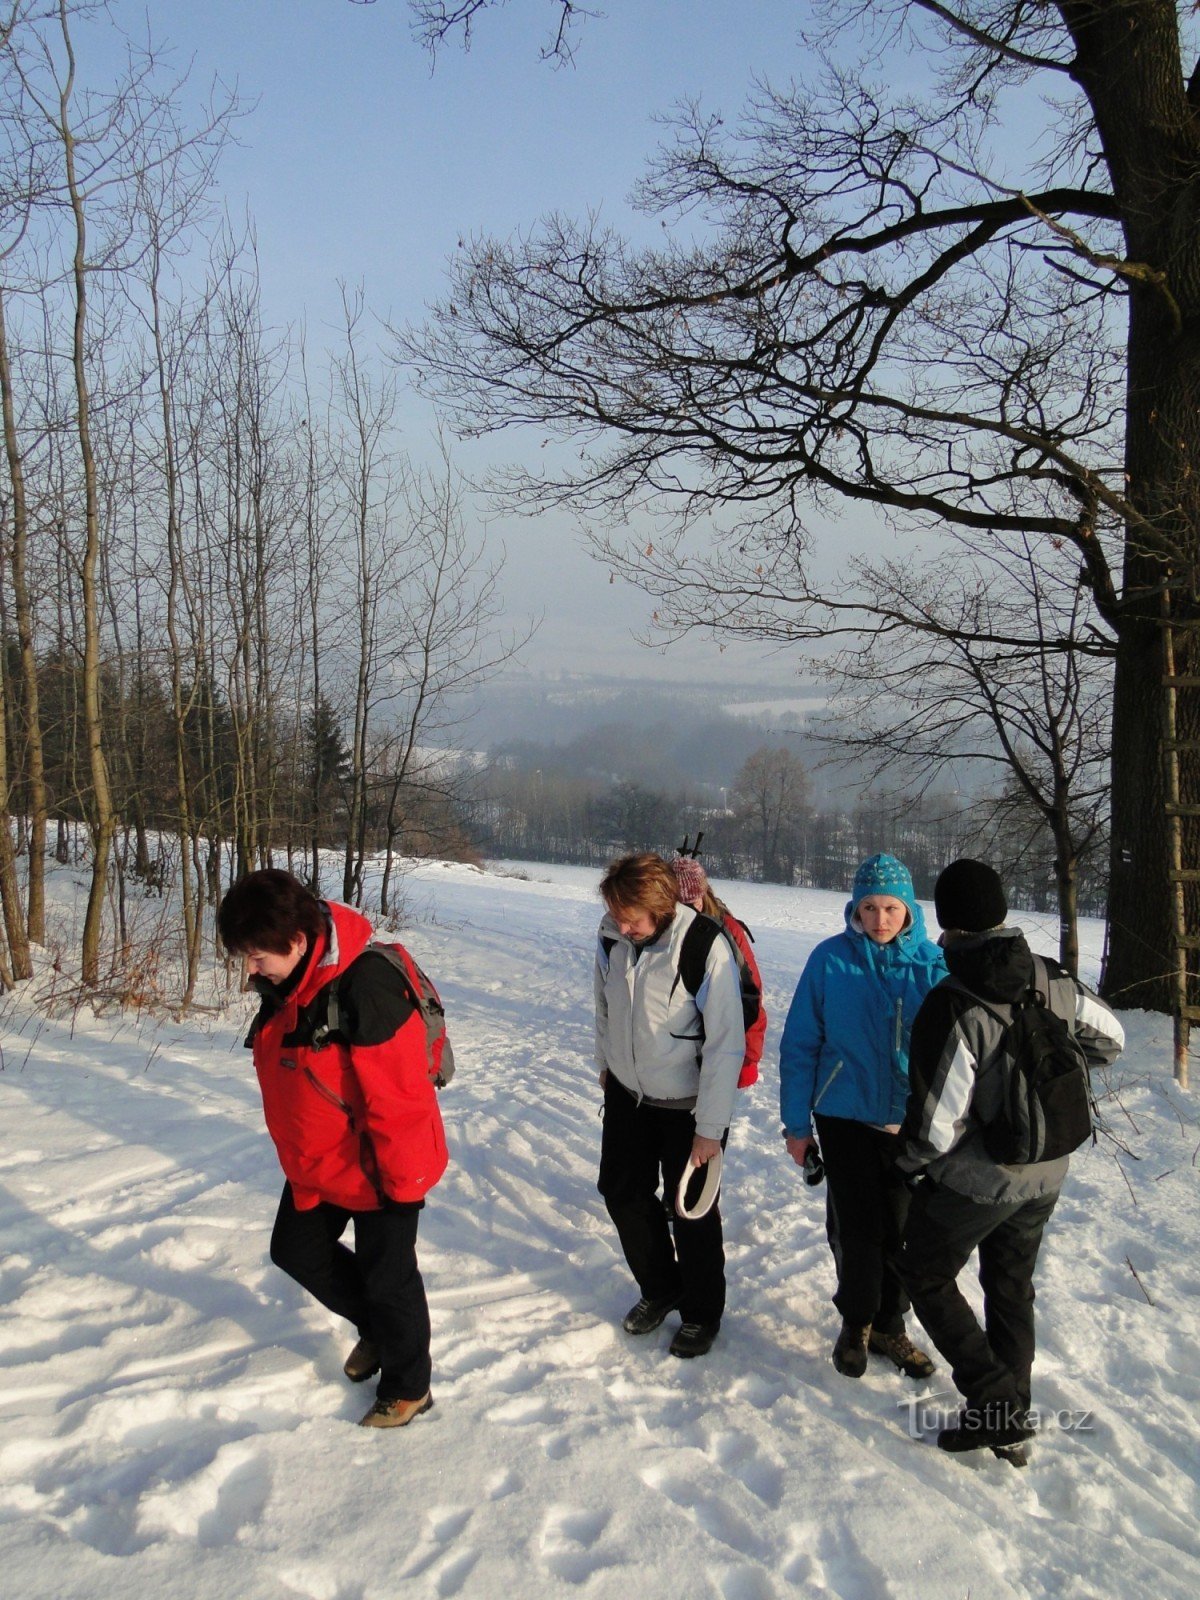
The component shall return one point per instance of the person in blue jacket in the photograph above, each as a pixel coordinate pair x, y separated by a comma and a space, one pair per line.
843, 1070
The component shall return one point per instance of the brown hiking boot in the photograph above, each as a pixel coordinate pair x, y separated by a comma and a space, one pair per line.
900, 1349
362, 1362
395, 1413
850, 1351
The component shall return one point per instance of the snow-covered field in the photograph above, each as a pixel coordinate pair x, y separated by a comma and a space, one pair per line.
173, 1418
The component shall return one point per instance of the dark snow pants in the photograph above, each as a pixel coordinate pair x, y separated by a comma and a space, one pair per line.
376, 1286
639, 1142
866, 1205
990, 1365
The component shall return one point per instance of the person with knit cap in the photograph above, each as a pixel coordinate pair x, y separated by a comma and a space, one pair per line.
843, 1069
965, 1199
669, 1042
696, 891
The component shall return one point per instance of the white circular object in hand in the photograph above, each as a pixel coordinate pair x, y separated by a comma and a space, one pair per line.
708, 1194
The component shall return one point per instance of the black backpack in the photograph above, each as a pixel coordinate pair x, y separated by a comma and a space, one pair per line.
693, 956
1045, 1108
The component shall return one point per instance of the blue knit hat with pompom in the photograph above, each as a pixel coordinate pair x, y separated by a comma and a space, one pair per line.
884, 874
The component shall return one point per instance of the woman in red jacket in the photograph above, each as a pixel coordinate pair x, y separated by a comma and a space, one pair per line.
354, 1118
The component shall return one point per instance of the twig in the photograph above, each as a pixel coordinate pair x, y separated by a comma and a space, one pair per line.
36, 1034
1105, 1132
1126, 1115
1138, 1280
1128, 1185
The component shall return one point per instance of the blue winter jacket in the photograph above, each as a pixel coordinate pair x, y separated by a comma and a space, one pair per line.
845, 1043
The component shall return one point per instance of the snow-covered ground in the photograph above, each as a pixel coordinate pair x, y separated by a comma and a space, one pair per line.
173, 1418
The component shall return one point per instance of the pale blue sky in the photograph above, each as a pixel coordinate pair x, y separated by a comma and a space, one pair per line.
360, 162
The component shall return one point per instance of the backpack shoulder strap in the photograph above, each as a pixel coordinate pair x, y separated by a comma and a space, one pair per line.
334, 1022
693, 951
1041, 979
1045, 982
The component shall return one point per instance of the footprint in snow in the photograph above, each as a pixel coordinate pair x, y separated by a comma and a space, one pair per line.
741, 1458
444, 1526
318, 1583
524, 1410
213, 1505
567, 1543
710, 1513
747, 1583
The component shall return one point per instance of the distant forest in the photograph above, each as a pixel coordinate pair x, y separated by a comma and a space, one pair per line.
775, 804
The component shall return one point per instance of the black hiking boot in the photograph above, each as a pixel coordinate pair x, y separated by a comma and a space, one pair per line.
694, 1339
996, 1426
850, 1351
900, 1350
649, 1314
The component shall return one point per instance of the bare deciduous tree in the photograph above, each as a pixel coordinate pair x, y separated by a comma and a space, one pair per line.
873, 304
993, 662
771, 793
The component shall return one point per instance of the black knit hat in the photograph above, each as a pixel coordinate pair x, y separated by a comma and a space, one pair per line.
969, 896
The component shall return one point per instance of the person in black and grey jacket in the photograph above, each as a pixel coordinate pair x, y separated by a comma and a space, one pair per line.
964, 1200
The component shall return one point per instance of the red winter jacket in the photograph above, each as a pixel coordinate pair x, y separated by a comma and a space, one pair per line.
757, 1031
354, 1124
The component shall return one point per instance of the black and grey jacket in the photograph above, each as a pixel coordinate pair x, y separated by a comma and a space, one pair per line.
954, 1084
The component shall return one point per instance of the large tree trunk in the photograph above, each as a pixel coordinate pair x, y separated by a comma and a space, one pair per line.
1130, 68
1140, 962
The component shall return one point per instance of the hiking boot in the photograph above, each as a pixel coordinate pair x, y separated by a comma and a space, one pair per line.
362, 1362
694, 1339
900, 1349
395, 1413
649, 1314
850, 1351
992, 1427
1017, 1455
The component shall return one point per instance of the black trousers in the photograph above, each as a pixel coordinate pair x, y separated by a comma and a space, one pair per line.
640, 1142
376, 1286
991, 1365
866, 1206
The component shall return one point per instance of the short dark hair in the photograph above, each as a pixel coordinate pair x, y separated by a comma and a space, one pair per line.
642, 882
265, 910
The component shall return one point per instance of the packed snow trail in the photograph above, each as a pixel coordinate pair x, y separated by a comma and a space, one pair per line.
173, 1418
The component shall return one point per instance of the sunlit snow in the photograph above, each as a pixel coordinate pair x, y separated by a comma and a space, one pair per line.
174, 1421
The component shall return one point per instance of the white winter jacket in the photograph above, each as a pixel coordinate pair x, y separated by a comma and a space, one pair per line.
657, 1040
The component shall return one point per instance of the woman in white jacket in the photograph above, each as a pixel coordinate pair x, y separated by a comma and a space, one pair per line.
670, 1040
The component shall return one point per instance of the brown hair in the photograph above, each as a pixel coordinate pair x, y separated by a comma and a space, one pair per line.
265, 910
642, 882
710, 906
